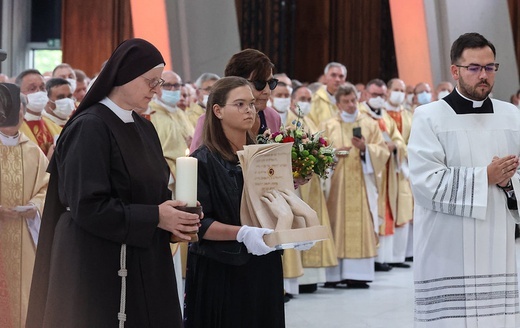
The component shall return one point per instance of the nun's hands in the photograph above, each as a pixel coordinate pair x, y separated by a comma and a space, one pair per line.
177, 222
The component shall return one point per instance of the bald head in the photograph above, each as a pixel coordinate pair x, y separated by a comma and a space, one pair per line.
171, 77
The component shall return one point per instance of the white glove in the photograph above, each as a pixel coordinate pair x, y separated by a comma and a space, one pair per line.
305, 246
252, 237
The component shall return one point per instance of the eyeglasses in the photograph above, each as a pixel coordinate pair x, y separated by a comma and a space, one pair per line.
475, 69
153, 83
242, 106
171, 86
260, 85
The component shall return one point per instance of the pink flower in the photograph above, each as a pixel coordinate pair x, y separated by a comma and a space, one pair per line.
323, 142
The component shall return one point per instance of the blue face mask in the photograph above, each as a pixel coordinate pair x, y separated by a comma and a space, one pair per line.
424, 97
170, 97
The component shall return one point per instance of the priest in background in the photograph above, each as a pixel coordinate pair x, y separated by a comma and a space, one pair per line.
352, 201
323, 254
23, 185
203, 85
37, 128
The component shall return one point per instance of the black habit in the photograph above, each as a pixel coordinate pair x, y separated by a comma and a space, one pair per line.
107, 179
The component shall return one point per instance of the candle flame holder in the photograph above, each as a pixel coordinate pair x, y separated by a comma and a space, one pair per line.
194, 237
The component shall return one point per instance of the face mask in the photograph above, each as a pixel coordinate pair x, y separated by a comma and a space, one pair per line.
73, 84
281, 104
64, 108
409, 98
443, 94
348, 118
376, 102
424, 97
305, 108
37, 101
269, 103
171, 97
396, 97
205, 100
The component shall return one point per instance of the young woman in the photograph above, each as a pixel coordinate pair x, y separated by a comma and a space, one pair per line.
233, 278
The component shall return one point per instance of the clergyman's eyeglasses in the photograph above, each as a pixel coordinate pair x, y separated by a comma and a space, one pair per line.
475, 69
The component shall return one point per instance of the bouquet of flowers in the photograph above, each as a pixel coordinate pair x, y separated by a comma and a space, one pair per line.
310, 153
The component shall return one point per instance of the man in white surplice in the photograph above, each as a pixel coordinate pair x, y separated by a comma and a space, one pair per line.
463, 157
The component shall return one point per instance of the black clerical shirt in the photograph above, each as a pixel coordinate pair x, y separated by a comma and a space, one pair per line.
464, 106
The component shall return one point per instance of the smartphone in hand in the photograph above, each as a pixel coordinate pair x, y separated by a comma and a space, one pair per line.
357, 132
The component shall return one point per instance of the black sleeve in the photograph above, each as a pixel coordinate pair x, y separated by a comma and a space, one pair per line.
88, 169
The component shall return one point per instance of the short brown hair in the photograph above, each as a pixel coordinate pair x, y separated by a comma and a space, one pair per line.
344, 90
213, 135
249, 62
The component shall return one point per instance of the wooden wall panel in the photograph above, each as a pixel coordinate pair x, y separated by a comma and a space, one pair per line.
92, 29
356, 38
354, 33
312, 39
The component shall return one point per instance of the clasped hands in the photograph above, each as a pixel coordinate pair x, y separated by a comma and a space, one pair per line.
502, 169
9, 213
179, 223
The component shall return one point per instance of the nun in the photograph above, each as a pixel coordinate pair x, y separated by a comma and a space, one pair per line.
103, 257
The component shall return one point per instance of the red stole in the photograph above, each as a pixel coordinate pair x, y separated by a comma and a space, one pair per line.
41, 134
397, 118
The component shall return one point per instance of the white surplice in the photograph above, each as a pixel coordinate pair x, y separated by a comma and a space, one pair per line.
464, 246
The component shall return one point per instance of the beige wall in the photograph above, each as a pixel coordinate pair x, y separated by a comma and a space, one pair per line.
203, 36
446, 20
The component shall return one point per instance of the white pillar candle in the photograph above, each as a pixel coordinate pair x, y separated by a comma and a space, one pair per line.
186, 180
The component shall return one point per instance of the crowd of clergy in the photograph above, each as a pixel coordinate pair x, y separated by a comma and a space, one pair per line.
366, 201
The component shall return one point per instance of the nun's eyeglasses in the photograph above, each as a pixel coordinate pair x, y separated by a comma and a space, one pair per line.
153, 83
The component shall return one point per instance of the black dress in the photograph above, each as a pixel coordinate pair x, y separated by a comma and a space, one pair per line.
225, 285
111, 176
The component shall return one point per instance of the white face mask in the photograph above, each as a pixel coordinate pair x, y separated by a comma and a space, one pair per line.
37, 101
305, 108
281, 104
376, 102
424, 97
396, 97
348, 118
171, 97
64, 108
205, 100
443, 94
269, 103
73, 84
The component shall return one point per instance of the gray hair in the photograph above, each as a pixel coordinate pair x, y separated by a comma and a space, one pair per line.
335, 64
206, 77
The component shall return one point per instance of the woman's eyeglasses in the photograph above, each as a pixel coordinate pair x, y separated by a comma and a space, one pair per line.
260, 85
153, 83
242, 106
